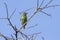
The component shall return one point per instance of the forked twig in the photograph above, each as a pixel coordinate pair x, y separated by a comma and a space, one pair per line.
24, 35
19, 30
37, 4
14, 28
39, 10
9, 18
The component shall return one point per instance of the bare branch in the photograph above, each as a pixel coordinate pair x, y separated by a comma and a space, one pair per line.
32, 37
32, 26
45, 13
22, 38
19, 30
8, 17
51, 6
42, 38
37, 4
13, 13
48, 3
35, 33
41, 3
6, 9
11, 24
12, 37
34, 14
16, 35
24, 35
14, 27
4, 36
26, 10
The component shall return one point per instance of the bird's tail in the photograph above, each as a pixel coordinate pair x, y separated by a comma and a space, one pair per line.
24, 26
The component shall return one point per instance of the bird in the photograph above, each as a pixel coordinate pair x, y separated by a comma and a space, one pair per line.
23, 19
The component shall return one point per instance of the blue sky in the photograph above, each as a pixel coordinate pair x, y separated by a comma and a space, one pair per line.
48, 26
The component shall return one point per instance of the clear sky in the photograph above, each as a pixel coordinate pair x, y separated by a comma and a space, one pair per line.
48, 26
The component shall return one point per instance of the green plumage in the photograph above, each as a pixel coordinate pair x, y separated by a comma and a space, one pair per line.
23, 19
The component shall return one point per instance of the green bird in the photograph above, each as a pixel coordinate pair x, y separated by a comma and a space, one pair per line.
23, 19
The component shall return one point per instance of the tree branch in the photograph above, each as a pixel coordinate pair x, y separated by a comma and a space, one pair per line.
42, 38
41, 3
27, 21
13, 13
39, 10
4, 36
6, 9
32, 26
24, 35
37, 4
14, 27
45, 13
51, 6
48, 3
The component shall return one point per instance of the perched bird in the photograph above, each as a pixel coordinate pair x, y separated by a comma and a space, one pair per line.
23, 19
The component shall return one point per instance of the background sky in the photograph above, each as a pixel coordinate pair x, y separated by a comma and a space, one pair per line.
48, 26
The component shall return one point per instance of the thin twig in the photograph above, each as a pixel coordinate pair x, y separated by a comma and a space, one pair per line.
46, 13
32, 37
26, 10
32, 16
4, 36
12, 37
37, 4
48, 3
14, 27
24, 35
6, 9
35, 33
41, 3
51, 6
13, 13
16, 35
32, 26
42, 38
8, 17
22, 38
46, 6
11, 24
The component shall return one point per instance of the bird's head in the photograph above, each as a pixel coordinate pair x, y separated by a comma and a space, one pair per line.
24, 13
